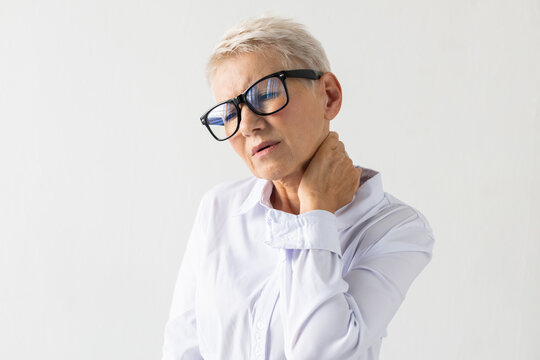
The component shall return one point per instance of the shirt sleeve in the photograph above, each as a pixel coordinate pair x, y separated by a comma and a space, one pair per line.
180, 338
328, 315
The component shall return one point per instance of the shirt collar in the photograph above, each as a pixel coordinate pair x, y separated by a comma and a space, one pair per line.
368, 195
259, 194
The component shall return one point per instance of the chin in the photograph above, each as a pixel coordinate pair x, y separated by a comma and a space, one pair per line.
272, 173
267, 175
268, 172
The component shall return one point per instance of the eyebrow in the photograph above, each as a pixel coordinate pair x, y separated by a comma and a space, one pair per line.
249, 82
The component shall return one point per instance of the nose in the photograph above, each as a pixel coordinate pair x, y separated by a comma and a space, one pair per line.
250, 122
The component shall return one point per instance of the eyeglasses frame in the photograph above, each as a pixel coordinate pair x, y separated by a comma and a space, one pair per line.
282, 75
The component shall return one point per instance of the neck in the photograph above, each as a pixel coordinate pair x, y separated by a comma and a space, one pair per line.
285, 194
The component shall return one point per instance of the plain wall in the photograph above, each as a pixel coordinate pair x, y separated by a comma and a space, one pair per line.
103, 161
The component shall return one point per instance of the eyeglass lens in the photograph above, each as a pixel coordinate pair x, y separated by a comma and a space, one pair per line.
267, 96
264, 97
223, 120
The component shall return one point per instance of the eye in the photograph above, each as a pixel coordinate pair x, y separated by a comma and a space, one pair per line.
222, 115
268, 95
215, 121
230, 116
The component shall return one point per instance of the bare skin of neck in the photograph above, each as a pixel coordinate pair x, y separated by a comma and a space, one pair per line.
285, 193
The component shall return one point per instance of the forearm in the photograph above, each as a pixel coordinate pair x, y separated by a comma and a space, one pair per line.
320, 319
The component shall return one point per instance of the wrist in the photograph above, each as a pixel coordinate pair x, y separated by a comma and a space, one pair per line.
306, 206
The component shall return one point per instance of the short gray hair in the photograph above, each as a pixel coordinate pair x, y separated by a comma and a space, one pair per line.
289, 40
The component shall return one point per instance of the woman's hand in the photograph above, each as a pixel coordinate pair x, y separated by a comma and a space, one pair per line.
330, 179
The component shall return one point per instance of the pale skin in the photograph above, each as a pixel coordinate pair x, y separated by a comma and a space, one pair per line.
308, 164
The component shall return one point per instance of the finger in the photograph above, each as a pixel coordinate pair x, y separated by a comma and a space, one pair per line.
333, 134
339, 148
329, 143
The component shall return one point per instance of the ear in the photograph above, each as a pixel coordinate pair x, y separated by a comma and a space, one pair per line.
333, 97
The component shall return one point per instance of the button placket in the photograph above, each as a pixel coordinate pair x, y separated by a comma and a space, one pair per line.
258, 342
259, 335
261, 321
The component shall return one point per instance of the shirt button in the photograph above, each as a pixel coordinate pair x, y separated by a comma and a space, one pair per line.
260, 325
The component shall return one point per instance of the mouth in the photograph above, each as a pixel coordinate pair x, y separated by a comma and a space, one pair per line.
263, 147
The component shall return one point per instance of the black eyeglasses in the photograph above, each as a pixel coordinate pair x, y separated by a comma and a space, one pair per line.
265, 97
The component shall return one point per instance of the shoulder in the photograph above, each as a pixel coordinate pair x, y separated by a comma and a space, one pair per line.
397, 226
404, 212
392, 231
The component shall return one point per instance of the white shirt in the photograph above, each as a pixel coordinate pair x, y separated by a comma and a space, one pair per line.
258, 283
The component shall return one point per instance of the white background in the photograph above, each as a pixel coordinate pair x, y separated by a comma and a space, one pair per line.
103, 162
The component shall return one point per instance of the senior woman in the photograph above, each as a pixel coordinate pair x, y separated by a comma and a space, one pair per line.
309, 258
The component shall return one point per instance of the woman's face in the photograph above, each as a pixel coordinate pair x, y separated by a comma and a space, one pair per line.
294, 133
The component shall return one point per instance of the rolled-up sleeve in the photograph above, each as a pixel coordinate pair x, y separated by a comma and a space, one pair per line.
329, 314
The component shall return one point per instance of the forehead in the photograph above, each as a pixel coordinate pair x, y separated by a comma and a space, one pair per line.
233, 75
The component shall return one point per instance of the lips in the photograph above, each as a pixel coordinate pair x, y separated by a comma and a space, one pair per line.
262, 146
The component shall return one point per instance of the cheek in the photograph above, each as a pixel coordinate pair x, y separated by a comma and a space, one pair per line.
301, 128
237, 144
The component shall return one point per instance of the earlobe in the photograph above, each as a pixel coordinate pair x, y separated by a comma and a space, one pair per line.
332, 89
